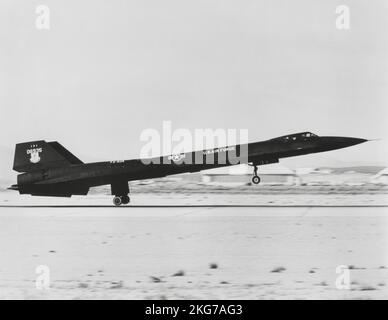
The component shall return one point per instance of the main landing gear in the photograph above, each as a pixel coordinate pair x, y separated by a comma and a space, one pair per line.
255, 178
120, 190
119, 200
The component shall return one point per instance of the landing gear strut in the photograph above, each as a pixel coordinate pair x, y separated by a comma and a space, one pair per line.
120, 190
255, 178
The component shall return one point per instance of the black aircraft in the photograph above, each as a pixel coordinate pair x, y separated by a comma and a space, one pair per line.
48, 169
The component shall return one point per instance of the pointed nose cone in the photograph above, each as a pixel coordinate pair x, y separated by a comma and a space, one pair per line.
353, 141
332, 143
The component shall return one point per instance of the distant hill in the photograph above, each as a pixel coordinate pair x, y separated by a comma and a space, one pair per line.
316, 160
359, 169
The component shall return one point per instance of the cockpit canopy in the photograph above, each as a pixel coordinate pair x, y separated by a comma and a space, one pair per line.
303, 136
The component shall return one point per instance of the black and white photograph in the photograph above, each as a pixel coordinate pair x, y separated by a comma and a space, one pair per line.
194, 150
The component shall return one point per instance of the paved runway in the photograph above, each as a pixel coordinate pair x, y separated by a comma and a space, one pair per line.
193, 252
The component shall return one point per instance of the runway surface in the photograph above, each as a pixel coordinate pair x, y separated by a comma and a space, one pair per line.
193, 252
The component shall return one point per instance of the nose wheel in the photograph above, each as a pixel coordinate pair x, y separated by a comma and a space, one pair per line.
119, 200
255, 178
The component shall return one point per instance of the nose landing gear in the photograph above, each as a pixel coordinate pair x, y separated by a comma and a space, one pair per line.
255, 178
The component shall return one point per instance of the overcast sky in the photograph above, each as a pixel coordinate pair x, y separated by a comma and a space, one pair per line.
106, 70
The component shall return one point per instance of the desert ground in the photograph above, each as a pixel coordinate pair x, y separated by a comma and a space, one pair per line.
205, 246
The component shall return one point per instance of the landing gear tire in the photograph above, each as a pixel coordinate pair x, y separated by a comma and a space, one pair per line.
125, 199
117, 201
256, 179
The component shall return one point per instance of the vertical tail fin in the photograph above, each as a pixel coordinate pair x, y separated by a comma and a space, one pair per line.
37, 155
